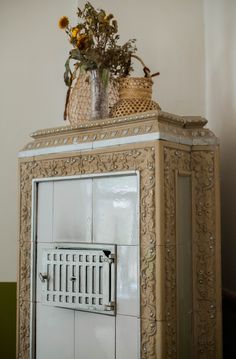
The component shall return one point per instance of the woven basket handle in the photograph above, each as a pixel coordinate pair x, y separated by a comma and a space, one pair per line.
146, 70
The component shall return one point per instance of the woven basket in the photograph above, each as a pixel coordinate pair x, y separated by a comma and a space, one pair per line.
79, 104
135, 94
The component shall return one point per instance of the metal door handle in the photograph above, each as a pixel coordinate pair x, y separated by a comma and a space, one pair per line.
43, 277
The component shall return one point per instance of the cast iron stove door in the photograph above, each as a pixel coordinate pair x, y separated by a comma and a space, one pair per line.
80, 277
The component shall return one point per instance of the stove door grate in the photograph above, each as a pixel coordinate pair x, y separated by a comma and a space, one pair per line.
80, 278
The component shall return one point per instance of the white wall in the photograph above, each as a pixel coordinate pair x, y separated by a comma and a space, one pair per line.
33, 51
170, 40
220, 45
31, 96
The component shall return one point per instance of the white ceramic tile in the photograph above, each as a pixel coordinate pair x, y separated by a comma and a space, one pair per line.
94, 336
115, 210
57, 149
39, 269
127, 337
128, 280
72, 218
54, 333
45, 210
128, 139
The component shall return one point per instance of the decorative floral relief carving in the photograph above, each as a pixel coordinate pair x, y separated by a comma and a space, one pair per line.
24, 270
174, 160
149, 340
141, 160
148, 278
24, 329
201, 165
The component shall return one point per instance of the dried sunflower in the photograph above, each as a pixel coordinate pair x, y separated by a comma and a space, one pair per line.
108, 17
74, 31
95, 45
82, 42
63, 22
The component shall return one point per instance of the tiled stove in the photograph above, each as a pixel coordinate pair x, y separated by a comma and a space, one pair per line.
119, 241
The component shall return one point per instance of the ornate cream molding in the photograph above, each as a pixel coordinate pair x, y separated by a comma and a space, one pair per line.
206, 280
204, 246
174, 160
168, 126
139, 159
160, 116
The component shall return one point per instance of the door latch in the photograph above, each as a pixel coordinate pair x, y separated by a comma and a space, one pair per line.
43, 277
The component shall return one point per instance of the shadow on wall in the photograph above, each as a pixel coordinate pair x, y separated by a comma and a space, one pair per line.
220, 25
228, 206
227, 104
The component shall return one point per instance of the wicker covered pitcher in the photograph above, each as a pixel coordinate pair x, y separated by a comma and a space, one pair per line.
79, 102
135, 94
